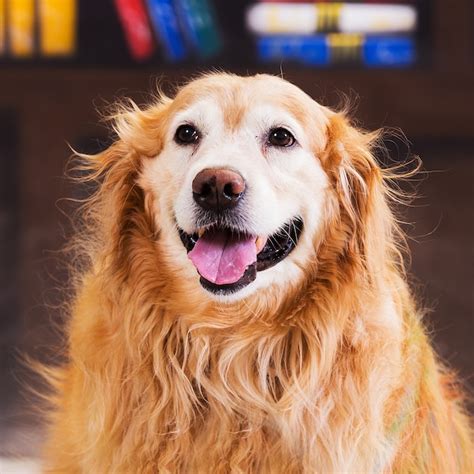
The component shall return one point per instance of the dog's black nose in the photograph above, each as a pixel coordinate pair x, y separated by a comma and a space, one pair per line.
217, 189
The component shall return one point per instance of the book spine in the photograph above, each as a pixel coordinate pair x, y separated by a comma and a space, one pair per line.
308, 18
57, 21
396, 51
165, 23
2, 26
311, 50
21, 26
339, 1
325, 50
199, 25
133, 17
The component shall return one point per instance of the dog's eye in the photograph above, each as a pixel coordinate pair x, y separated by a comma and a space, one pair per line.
186, 135
280, 137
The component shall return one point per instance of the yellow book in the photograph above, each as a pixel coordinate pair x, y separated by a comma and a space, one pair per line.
21, 22
58, 20
2, 26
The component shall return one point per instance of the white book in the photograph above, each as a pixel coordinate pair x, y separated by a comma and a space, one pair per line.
309, 18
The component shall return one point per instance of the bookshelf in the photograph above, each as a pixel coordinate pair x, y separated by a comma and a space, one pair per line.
409, 98
101, 40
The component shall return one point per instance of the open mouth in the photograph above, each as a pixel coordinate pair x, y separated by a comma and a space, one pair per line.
228, 260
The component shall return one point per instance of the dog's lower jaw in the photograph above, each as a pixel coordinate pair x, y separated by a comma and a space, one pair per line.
268, 290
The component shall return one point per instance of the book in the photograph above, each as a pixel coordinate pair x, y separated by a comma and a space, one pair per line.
134, 20
165, 23
333, 48
21, 27
199, 25
339, 1
309, 18
57, 22
2, 26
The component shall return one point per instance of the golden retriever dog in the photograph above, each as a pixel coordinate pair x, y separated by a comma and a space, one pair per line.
242, 304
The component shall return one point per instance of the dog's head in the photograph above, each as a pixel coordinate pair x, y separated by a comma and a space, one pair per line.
242, 177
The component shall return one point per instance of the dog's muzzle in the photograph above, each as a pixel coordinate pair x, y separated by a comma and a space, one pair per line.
227, 256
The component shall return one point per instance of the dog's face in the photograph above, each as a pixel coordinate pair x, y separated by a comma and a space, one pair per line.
238, 187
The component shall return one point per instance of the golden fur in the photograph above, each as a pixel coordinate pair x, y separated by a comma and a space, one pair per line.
316, 378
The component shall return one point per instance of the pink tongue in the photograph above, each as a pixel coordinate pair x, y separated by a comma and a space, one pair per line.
221, 258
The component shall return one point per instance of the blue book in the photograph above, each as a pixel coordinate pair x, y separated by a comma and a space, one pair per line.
325, 50
389, 51
199, 25
165, 23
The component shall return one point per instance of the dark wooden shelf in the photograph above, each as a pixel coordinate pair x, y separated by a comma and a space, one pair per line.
424, 102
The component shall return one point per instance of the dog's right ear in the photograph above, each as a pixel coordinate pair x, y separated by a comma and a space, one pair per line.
139, 133
141, 130
115, 209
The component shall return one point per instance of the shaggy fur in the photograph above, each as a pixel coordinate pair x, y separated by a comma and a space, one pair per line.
334, 373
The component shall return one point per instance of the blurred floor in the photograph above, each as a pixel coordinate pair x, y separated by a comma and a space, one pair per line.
19, 466
442, 251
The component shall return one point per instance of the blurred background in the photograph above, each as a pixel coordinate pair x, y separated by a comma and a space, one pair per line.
407, 64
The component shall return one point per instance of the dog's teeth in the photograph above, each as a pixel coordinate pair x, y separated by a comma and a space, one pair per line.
260, 242
201, 232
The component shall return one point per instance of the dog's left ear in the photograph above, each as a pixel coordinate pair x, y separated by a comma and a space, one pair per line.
358, 182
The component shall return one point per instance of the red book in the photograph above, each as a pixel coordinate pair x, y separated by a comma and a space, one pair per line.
134, 19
